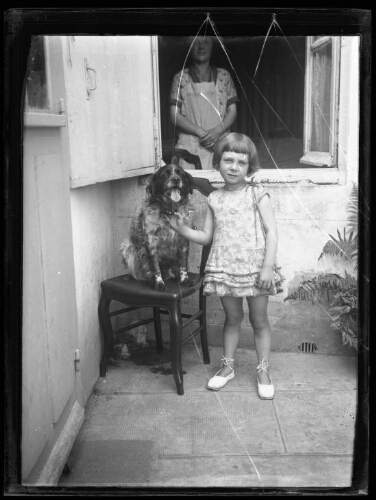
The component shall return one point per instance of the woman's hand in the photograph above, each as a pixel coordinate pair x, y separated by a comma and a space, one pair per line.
210, 137
266, 278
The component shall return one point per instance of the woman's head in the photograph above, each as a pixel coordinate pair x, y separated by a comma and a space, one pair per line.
201, 48
237, 143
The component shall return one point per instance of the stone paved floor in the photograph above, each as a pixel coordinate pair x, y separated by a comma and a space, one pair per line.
139, 433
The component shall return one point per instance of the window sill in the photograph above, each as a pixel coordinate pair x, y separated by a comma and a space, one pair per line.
304, 176
317, 159
44, 120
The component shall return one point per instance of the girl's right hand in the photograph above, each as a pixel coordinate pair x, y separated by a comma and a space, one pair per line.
177, 221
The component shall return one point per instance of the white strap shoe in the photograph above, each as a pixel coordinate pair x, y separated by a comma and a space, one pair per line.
265, 391
217, 382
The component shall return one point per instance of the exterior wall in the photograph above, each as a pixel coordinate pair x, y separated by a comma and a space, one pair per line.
92, 221
101, 217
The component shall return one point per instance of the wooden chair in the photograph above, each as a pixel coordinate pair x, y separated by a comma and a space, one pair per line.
168, 151
140, 294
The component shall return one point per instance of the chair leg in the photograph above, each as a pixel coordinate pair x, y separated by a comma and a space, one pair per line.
204, 333
176, 328
107, 333
157, 329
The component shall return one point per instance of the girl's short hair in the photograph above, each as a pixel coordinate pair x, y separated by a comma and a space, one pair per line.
237, 143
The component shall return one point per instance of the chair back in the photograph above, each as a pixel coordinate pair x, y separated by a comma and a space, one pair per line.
204, 187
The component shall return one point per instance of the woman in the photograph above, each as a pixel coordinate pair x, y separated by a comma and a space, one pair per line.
203, 103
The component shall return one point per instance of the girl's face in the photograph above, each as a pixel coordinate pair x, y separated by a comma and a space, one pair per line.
234, 167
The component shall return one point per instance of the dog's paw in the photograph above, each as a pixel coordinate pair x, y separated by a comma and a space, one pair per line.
159, 284
186, 282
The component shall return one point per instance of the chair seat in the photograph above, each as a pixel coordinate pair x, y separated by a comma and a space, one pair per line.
143, 292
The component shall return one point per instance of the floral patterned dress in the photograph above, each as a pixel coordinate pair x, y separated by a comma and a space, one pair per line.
238, 246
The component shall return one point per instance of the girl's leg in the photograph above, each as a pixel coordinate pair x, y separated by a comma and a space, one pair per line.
258, 316
233, 307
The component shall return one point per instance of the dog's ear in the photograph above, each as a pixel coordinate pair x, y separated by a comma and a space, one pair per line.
191, 182
150, 187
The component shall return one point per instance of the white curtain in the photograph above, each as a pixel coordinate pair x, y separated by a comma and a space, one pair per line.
321, 106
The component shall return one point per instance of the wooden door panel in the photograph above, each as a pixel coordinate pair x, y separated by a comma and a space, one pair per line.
58, 278
49, 329
111, 127
36, 404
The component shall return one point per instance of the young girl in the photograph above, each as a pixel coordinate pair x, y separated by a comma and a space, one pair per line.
240, 222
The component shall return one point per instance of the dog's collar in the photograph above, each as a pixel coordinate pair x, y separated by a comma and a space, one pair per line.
168, 213
169, 208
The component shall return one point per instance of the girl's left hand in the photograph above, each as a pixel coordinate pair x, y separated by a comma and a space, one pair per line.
176, 221
266, 278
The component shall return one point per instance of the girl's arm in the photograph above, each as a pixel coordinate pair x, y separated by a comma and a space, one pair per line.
271, 242
203, 237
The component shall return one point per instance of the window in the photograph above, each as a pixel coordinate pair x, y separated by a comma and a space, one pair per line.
321, 101
36, 81
290, 107
43, 102
271, 103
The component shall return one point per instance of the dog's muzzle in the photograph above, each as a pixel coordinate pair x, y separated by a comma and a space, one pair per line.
173, 193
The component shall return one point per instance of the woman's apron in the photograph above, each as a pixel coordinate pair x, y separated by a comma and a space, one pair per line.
201, 103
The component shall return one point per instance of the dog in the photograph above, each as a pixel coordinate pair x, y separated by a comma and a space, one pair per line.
154, 251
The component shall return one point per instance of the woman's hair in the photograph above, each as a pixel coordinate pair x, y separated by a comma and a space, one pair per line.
237, 143
189, 40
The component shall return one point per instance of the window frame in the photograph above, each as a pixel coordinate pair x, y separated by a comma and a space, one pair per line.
47, 108
321, 158
47, 116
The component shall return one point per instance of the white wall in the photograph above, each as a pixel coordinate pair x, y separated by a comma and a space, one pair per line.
101, 217
92, 225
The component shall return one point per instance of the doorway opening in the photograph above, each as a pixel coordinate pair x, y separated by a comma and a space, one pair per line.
271, 107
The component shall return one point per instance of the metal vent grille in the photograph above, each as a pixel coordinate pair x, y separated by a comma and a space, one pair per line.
307, 347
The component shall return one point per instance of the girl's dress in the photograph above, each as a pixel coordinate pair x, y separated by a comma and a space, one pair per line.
238, 246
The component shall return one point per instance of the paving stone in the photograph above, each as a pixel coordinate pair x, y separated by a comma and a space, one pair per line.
317, 422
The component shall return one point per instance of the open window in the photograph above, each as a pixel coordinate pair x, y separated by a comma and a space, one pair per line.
321, 101
289, 106
36, 96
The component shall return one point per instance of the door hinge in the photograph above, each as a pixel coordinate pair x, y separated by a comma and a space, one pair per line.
77, 360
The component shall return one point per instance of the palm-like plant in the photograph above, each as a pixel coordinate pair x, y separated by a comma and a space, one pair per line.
352, 207
341, 291
347, 245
